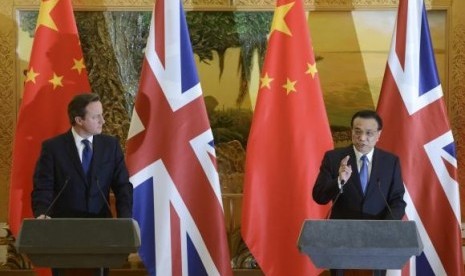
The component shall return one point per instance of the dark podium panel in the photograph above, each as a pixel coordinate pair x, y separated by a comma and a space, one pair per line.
360, 244
78, 243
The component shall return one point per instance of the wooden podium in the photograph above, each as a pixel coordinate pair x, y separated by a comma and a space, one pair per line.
78, 243
360, 244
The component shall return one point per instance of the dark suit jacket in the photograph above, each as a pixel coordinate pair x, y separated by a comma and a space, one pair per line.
385, 187
59, 169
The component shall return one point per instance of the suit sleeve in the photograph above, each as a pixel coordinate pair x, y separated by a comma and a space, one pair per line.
396, 194
326, 186
121, 186
43, 182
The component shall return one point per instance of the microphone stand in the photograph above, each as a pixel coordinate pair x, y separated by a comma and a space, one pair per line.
341, 191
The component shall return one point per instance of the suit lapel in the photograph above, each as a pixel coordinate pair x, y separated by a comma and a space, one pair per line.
374, 174
73, 154
355, 175
97, 155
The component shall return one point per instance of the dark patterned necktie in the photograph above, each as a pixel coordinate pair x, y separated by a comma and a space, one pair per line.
86, 155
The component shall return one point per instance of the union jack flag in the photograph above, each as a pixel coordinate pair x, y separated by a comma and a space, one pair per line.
171, 158
417, 129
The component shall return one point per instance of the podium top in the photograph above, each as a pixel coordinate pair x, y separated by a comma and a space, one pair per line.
360, 244
79, 235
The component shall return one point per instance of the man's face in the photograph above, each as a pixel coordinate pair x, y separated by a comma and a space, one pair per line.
365, 134
92, 122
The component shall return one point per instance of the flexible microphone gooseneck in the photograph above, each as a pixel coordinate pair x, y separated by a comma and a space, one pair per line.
341, 191
57, 197
103, 195
384, 198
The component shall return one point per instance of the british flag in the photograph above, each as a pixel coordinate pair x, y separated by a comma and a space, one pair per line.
171, 158
417, 129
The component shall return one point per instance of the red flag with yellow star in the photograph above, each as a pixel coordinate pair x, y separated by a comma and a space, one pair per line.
288, 137
56, 73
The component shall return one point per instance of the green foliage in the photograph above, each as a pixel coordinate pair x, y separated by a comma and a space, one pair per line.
231, 124
252, 28
28, 21
218, 31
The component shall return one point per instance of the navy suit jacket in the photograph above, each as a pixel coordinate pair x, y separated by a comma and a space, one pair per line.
59, 170
385, 187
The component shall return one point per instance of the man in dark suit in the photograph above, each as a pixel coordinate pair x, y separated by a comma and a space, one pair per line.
364, 182
77, 169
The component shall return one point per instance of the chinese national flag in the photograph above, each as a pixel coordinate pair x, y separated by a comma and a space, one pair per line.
288, 137
55, 74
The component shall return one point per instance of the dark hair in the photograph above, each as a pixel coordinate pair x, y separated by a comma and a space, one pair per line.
367, 114
77, 106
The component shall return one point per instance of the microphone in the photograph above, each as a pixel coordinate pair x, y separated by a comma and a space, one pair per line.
103, 195
384, 198
341, 190
57, 197
343, 182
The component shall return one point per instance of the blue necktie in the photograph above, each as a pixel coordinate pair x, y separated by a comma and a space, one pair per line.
86, 155
364, 172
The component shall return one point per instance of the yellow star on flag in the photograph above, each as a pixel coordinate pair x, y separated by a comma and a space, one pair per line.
266, 81
56, 81
31, 75
279, 24
78, 65
45, 18
290, 86
311, 69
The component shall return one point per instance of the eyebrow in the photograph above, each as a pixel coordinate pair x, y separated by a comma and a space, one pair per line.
357, 128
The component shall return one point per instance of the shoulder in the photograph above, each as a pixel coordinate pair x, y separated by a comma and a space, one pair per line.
337, 154
58, 139
106, 140
386, 155
340, 151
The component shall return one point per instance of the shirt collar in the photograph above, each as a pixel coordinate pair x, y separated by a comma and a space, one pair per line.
78, 138
369, 155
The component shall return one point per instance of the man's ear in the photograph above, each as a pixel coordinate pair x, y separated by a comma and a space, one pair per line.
379, 134
78, 120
